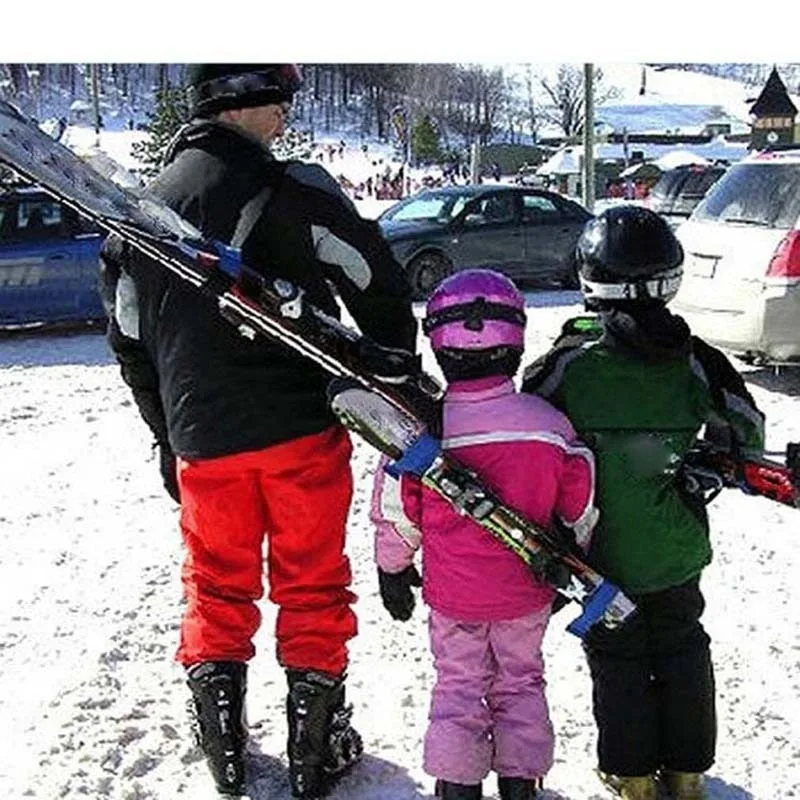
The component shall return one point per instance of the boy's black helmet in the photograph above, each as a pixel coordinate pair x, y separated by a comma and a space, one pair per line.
628, 253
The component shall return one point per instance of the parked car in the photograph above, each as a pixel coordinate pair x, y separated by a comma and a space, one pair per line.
527, 175
528, 234
679, 191
741, 285
49, 261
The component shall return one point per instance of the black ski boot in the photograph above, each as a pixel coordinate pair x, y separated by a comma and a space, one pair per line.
322, 742
519, 788
458, 791
217, 706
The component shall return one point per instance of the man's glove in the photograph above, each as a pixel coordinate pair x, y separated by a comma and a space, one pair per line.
167, 465
398, 599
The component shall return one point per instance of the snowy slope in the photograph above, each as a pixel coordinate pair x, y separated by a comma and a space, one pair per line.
115, 143
673, 99
94, 707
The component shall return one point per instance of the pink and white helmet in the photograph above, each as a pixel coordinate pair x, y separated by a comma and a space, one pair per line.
476, 309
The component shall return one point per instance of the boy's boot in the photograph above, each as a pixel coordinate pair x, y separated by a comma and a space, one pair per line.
632, 788
322, 742
445, 790
518, 788
684, 785
217, 706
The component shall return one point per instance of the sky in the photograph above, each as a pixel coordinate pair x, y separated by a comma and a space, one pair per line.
414, 30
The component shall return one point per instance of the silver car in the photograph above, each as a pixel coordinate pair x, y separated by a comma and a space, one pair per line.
741, 285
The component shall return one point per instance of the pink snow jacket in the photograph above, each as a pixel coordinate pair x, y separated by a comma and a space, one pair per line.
526, 451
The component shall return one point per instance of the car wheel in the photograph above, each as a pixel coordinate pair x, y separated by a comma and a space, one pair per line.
571, 279
425, 272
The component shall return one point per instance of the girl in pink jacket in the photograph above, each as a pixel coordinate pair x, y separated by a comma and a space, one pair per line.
488, 612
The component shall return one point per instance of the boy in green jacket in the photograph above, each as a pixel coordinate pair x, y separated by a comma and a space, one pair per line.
638, 391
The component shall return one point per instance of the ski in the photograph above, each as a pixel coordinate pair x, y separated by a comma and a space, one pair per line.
275, 308
712, 469
415, 451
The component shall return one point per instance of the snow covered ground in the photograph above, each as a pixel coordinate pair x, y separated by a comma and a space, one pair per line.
93, 705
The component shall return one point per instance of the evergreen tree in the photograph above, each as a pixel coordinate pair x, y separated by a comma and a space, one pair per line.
425, 141
171, 112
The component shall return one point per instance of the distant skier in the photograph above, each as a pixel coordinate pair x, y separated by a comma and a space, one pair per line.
638, 390
258, 452
488, 612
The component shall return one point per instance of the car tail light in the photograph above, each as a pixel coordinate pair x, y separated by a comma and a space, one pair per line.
785, 262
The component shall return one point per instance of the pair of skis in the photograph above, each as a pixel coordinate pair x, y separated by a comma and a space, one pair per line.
379, 393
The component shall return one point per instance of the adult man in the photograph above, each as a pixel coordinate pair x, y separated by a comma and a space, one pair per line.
257, 449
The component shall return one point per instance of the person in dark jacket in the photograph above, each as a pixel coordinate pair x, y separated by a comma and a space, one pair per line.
246, 441
638, 389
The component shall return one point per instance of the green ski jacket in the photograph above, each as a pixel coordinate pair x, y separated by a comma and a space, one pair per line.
640, 416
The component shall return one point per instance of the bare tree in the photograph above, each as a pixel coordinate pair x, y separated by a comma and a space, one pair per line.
566, 94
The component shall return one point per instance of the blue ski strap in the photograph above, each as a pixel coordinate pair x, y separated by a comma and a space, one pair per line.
593, 608
417, 458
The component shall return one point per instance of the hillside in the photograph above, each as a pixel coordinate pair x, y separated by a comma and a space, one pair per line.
350, 98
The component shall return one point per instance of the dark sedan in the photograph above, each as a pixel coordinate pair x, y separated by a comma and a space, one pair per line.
528, 234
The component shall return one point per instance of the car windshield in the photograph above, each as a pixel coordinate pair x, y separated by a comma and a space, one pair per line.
755, 194
667, 183
699, 182
434, 206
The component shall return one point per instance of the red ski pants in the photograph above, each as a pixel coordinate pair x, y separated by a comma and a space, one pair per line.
297, 494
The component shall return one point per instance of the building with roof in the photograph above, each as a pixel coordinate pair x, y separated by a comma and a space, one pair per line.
773, 115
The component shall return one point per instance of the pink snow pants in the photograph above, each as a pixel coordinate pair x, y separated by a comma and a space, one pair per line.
488, 709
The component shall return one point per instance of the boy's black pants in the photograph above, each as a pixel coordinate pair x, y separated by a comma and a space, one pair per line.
653, 687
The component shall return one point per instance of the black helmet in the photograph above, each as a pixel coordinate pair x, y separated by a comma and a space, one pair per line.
628, 253
216, 87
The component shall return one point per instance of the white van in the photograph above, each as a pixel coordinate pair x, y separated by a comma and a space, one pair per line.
741, 283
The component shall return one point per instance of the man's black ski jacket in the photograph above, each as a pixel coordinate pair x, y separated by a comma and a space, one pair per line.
200, 385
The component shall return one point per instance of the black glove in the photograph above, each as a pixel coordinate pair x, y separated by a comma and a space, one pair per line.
398, 599
167, 465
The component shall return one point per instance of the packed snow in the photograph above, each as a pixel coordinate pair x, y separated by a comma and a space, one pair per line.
94, 705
